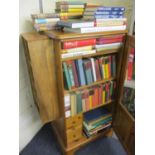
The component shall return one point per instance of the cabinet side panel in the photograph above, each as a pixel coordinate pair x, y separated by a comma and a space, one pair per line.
41, 59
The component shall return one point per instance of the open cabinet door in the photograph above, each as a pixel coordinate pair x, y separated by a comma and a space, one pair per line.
124, 122
40, 60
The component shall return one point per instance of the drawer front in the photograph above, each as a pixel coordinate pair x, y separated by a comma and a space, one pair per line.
74, 134
74, 121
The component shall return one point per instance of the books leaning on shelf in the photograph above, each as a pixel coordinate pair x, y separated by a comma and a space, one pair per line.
80, 72
43, 22
87, 99
70, 10
96, 121
130, 73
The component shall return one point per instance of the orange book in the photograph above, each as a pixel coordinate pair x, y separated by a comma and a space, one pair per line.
103, 94
87, 100
96, 97
91, 92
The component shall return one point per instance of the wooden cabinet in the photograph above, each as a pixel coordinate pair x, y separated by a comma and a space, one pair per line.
43, 53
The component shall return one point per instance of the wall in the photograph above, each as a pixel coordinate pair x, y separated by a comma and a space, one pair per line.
29, 121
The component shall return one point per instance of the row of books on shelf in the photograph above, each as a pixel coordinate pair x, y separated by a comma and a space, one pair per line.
87, 99
86, 71
96, 121
130, 72
90, 46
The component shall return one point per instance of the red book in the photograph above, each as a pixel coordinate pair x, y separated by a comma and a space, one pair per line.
113, 37
107, 91
78, 43
100, 94
130, 64
95, 97
75, 74
97, 69
109, 41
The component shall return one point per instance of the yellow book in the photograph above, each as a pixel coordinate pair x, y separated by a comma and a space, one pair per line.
90, 101
73, 104
85, 48
103, 97
107, 70
76, 10
71, 14
104, 70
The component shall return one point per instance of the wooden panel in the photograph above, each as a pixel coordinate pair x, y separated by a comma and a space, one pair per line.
41, 62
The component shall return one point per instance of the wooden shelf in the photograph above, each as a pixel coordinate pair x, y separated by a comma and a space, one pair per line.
92, 55
90, 85
106, 103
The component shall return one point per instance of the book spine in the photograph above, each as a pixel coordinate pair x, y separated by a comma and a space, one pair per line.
97, 69
87, 105
108, 16
90, 70
75, 74
79, 102
109, 41
45, 20
74, 44
90, 98
93, 68
113, 65
68, 80
72, 50
70, 70
109, 12
101, 67
83, 101
100, 95
111, 9
130, 64
103, 94
67, 105
81, 72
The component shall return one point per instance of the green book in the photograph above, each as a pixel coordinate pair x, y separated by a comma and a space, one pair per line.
79, 102
66, 74
71, 74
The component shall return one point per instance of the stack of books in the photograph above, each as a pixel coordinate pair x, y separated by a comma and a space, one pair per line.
96, 121
86, 71
130, 73
70, 10
105, 19
109, 42
87, 99
43, 22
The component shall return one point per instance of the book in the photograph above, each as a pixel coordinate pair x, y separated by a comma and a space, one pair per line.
67, 105
69, 3
75, 23
130, 64
66, 75
100, 94
73, 104
92, 13
44, 15
87, 105
102, 16
111, 19
96, 29
78, 49
66, 6
70, 10
108, 45
45, 20
91, 93
75, 74
103, 8
70, 70
78, 43
103, 94
108, 41
97, 70
79, 53
81, 76
93, 69
109, 23
79, 101
113, 65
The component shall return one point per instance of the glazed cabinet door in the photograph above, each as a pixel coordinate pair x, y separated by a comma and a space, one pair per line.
124, 122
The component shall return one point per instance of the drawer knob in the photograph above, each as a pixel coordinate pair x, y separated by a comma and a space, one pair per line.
73, 122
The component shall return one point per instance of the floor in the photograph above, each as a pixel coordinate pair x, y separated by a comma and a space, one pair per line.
45, 143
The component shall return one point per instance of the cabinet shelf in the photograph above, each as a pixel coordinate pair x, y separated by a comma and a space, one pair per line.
89, 85
92, 55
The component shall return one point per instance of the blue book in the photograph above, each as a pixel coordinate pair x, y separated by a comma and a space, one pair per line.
109, 13
108, 16
111, 8
95, 114
81, 72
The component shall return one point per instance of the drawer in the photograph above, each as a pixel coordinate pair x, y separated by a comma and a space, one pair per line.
74, 134
74, 121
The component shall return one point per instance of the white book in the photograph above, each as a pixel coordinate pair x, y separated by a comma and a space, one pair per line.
93, 67
80, 53
68, 113
84, 48
67, 100
111, 19
96, 29
108, 45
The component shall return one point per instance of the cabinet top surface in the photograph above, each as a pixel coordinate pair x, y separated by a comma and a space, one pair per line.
55, 34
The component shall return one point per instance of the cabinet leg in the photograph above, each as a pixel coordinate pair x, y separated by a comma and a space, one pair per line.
109, 134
